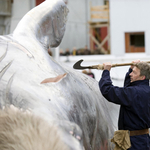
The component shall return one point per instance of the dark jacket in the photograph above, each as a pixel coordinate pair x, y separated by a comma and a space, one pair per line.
134, 99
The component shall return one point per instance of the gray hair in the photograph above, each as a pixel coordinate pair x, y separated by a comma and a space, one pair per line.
144, 69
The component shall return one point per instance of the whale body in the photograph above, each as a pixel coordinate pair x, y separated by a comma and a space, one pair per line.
30, 79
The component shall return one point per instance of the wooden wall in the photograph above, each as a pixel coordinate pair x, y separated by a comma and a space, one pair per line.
39, 2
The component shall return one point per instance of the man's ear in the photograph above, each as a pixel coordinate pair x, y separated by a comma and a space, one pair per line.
143, 77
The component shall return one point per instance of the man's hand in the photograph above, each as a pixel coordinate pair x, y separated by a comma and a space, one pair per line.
135, 62
107, 66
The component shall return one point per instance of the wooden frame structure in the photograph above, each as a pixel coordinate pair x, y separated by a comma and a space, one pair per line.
99, 19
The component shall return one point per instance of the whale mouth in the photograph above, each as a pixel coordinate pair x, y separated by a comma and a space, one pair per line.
55, 79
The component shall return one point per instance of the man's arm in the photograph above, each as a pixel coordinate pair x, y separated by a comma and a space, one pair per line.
113, 93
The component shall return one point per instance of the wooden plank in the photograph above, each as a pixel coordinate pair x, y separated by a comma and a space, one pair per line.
104, 40
98, 44
99, 16
97, 34
139, 49
127, 42
98, 26
98, 22
95, 40
104, 50
100, 8
91, 41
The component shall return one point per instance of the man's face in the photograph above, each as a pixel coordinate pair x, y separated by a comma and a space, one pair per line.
135, 75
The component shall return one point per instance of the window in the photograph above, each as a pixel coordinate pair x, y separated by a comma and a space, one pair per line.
134, 42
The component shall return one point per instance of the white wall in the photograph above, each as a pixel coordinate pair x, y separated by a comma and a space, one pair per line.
128, 16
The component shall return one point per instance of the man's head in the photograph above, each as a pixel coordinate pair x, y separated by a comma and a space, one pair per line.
141, 71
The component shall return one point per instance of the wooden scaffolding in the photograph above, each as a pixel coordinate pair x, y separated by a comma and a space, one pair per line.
99, 28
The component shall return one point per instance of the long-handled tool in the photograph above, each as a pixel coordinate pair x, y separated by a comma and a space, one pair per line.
77, 65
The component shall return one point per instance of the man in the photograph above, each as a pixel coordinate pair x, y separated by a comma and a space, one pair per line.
134, 99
